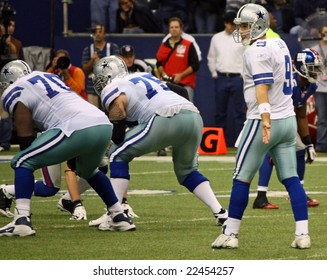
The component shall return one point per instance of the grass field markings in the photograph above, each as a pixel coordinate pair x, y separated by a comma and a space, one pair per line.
82, 224
77, 225
91, 194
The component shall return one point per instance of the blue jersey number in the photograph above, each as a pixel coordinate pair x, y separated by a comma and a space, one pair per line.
46, 81
287, 87
149, 88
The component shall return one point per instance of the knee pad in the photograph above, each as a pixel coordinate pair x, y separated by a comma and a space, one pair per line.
41, 189
119, 170
194, 179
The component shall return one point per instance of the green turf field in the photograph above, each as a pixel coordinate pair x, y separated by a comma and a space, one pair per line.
173, 224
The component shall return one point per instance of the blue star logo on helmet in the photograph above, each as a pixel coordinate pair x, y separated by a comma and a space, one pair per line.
6, 71
105, 65
260, 14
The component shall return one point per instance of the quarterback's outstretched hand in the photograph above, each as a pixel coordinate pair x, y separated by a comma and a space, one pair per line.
311, 153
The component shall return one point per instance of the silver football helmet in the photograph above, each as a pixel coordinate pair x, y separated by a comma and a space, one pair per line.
258, 22
308, 64
105, 70
12, 71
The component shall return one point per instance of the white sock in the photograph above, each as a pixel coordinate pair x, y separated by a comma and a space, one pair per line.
204, 192
10, 189
116, 208
262, 189
232, 226
301, 227
23, 206
66, 196
120, 186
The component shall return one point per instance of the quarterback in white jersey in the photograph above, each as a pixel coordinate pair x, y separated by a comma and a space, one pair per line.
73, 131
163, 118
268, 62
270, 126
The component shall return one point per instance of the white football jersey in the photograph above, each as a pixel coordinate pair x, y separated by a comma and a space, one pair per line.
146, 96
268, 62
52, 103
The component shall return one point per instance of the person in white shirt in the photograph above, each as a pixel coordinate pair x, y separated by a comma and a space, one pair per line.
225, 62
270, 127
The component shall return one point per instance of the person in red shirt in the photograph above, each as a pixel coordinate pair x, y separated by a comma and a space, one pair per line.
177, 59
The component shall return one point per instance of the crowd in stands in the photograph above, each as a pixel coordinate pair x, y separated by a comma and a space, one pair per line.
198, 16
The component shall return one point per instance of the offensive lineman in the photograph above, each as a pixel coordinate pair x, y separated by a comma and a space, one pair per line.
68, 121
164, 118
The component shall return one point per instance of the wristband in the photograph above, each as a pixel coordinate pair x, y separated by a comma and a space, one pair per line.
306, 140
264, 108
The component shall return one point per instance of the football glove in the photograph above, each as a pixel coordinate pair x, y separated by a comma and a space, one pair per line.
79, 212
311, 153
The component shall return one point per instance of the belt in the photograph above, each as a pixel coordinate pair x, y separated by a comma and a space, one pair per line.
229, 75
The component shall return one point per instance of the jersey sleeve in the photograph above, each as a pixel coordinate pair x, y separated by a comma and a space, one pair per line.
260, 65
11, 97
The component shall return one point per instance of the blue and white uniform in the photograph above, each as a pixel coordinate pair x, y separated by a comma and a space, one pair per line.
164, 119
74, 130
65, 118
268, 62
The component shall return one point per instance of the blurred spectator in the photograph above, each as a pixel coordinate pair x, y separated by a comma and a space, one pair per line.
177, 59
271, 33
173, 8
10, 49
276, 8
321, 94
91, 54
190, 38
226, 65
5, 130
232, 6
288, 18
206, 14
72, 76
136, 18
105, 13
133, 64
304, 8
11, 39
